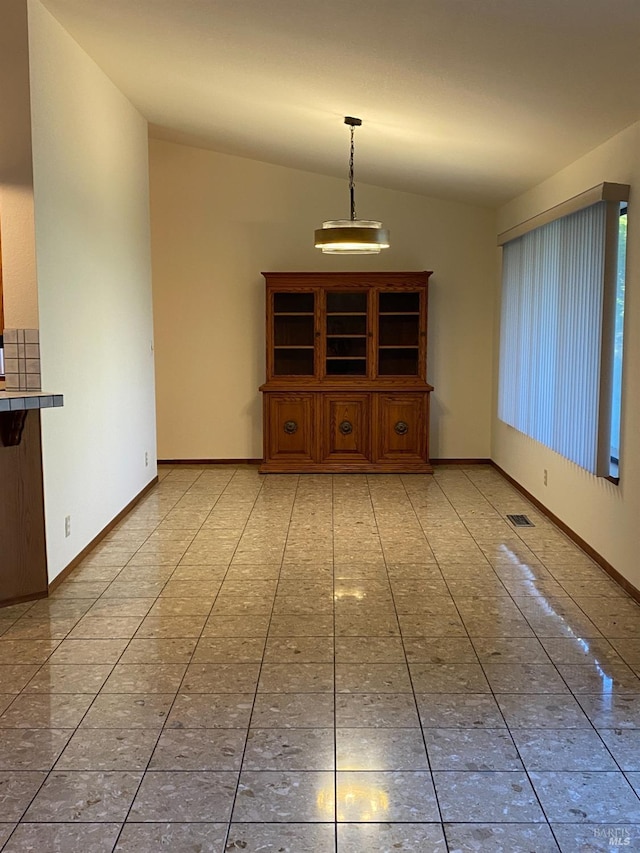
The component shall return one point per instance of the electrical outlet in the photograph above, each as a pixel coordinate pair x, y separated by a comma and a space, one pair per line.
67, 526
146, 459
546, 477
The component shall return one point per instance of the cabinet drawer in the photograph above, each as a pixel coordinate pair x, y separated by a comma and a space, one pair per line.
289, 427
401, 427
346, 428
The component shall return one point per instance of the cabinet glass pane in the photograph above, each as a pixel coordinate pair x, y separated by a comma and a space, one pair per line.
346, 367
292, 331
346, 325
346, 334
348, 303
293, 362
399, 302
346, 347
398, 362
399, 330
293, 303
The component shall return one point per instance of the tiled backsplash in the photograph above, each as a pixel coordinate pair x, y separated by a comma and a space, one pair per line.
22, 359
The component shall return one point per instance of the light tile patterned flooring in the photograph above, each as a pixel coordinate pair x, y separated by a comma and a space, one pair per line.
323, 663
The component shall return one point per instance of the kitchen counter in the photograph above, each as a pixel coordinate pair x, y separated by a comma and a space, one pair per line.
14, 407
16, 401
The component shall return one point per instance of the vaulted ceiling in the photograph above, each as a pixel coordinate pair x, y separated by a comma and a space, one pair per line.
474, 100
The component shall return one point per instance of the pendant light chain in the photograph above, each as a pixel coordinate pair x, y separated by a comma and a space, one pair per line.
352, 188
351, 236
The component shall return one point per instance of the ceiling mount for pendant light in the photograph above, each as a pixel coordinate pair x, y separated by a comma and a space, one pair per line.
352, 236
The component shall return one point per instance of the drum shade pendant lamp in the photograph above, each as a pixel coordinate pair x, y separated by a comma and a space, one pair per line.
352, 236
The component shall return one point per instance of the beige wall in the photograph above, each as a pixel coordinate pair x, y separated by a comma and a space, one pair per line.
16, 178
218, 221
94, 279
605, 515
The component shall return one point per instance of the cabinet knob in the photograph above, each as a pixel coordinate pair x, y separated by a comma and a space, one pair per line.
346, 428
401, 428
290, 427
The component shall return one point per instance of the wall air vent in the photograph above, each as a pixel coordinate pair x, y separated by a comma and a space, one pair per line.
520, 521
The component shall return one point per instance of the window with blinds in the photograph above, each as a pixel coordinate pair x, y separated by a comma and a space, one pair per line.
559, 357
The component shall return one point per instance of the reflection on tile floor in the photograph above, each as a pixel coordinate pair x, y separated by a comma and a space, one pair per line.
323, 664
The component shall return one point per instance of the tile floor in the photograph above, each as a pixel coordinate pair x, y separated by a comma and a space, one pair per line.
323, 663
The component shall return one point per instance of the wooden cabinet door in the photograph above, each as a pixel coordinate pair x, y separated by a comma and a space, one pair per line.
401, 427
346, 334
292, 333
400, 326
290, 428
345, 429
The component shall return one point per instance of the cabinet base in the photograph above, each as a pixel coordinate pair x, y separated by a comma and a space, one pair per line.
346, 468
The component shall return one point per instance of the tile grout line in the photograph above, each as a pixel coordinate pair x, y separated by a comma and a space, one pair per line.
264, 650
491, 692
482, 539
335, 681
570, 693
75, 729
163, 726
415, 699
495, 699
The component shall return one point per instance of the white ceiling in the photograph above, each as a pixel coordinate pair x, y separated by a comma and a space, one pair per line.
475, 100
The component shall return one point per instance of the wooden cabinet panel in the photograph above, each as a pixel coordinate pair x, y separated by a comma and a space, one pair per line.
289, 427
23, 559
401, 427
345, 430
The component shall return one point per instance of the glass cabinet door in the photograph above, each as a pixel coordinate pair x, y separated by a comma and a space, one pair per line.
399, 333
293, 333
346, 333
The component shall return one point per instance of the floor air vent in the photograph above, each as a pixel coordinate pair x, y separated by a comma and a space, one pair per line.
520, 521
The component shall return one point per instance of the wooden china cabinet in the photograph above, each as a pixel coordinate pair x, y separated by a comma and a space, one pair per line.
346, 387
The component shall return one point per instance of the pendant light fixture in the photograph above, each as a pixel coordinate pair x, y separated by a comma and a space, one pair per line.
352, 236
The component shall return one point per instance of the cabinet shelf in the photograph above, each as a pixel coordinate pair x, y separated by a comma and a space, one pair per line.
283, 346
346, 358
397, 346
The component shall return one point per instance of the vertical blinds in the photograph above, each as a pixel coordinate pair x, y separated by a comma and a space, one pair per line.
553, 292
